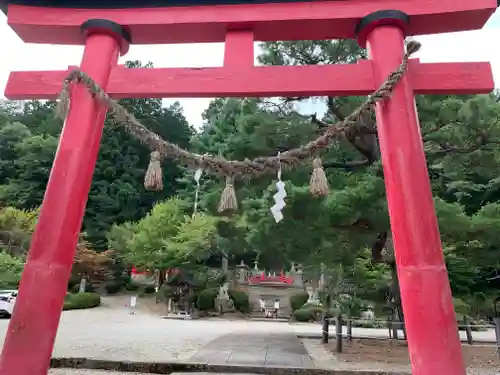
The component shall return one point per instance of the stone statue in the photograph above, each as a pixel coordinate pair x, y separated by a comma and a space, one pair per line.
322, 278
313, 296
223, 302
298, 278
223, 291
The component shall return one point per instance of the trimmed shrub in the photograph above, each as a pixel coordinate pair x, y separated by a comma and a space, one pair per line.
462, 309
81, 301
112, 287
73, 280
351, 306
76, 288
132, 286
205, 300
193, 300
302, 315
369, 323
240, 299
298, 300
309, 313
333, 312
315, 311
149, 289
164, 293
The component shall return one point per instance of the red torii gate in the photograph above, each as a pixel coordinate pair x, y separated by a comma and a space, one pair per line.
381, 25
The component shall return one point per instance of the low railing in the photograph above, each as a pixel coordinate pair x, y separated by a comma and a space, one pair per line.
394, 329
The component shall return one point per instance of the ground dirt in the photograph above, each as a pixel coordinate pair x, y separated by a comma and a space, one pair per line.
396, 353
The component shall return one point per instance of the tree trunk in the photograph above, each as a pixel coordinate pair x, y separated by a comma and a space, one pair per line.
161, 277
396, 295
225, 264
384, 241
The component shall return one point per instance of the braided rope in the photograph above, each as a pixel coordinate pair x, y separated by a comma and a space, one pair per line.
217, 164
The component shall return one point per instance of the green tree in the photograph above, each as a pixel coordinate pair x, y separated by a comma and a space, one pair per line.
16, 227
29, 142
459, 133
11, 269
167, 238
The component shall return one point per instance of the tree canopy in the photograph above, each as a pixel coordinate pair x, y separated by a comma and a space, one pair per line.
349, 227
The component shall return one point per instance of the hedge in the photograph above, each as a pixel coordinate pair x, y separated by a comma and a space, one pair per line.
149, 289
76, 288
302, 315
206, 299
81, 301
240, 299
113, 287
309, 313
132, 286
298, 300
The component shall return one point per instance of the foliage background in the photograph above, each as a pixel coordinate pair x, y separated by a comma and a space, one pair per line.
349, 228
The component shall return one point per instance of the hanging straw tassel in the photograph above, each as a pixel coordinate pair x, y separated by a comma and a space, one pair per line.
228, 202
412, 46
154, 176
62, 106
318, 185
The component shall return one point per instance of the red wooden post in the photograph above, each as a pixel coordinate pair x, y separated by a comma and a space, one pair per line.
433, 340
30, 338
238, 51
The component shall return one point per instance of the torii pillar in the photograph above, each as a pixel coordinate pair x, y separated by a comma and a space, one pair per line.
53, 245
423, 278
433, 339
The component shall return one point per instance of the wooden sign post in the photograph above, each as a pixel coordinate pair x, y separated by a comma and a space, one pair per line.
106, 32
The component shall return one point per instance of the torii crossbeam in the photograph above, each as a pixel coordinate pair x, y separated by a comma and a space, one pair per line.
106, 29
245, 80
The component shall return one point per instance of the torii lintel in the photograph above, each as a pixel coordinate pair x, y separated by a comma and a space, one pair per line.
204, 21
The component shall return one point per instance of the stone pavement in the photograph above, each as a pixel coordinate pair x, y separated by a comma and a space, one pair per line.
271, 349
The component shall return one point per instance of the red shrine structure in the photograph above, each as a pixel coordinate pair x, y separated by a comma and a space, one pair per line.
106, 28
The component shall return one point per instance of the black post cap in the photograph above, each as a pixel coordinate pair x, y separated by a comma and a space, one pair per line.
120, 33
380, 18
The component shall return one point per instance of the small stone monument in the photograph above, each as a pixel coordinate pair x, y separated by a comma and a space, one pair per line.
223, 302
322, 278
313, 296
297, 275
242, 273
368, 313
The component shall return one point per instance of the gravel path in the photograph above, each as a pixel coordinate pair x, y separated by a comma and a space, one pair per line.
112, 333
106, 334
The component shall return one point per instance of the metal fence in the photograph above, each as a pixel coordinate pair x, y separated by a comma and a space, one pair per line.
395, 330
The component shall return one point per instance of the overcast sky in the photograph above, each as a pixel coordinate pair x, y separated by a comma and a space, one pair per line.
481, 45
